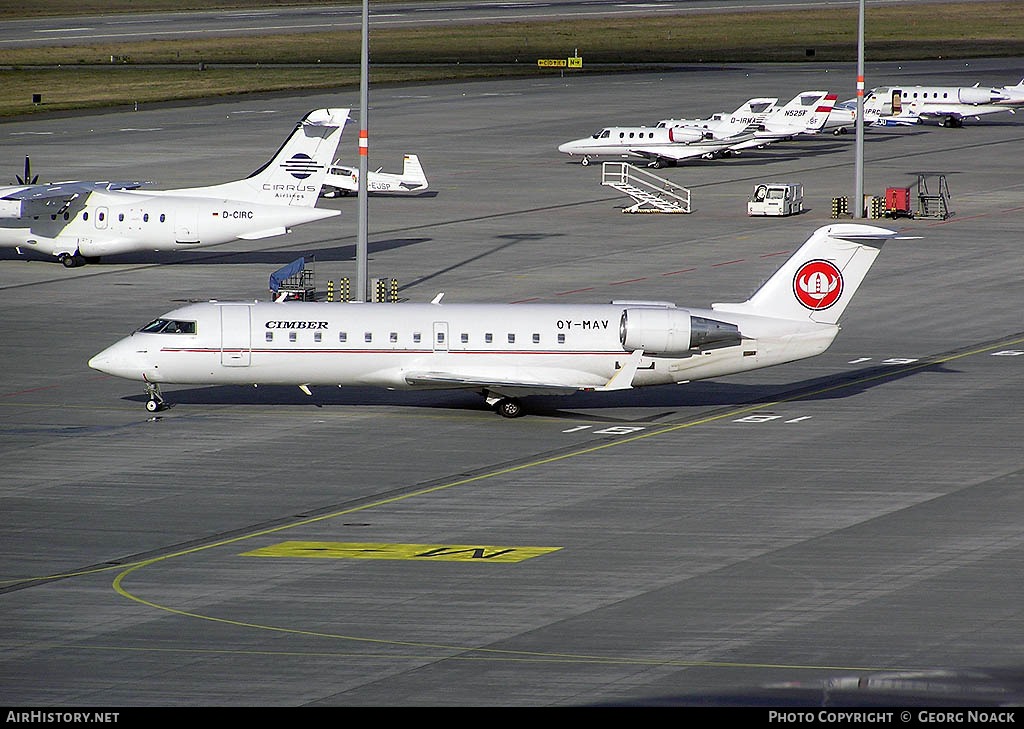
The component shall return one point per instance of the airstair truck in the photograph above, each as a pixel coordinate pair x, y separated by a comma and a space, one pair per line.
776, 198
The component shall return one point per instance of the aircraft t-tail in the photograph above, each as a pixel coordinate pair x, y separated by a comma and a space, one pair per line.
504, 351
78, 222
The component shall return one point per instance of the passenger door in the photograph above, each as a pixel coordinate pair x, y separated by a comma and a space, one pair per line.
235, 335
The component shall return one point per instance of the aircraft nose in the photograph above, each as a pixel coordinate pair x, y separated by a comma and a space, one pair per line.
117, 360
567, 147
100, 362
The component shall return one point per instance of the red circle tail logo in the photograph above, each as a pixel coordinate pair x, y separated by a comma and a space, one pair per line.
818, 284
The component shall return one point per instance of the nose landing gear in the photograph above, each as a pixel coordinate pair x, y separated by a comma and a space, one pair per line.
156, 402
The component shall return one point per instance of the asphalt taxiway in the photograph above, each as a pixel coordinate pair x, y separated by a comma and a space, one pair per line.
848, 518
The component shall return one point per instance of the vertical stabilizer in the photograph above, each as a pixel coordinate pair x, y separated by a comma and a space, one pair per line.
295, 174
820, 279
412, 172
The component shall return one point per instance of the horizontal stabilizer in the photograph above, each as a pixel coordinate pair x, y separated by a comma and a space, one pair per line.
269, 233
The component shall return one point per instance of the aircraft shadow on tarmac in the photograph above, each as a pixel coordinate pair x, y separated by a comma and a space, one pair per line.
703, 394
278, 257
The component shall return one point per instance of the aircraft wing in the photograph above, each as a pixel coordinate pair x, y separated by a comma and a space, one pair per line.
67, 190
678, 152
512, 387
31, 199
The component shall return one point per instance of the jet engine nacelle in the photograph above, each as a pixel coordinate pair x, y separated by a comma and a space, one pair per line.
672, 332
684, 135
975, 95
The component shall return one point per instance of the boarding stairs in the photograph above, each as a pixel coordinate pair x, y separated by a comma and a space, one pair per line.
650, 193
931, 205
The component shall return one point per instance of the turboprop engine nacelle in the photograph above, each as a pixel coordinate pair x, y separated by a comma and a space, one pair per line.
673, 332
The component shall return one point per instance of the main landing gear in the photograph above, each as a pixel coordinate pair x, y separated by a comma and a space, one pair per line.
76, 259
156, 402
507, 407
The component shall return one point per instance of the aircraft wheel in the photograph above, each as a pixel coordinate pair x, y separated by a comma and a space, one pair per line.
153, 405
509, 407
69, 261
585, 161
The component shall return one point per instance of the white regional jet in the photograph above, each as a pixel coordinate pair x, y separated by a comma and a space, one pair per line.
504, 351
342, 180
81, 221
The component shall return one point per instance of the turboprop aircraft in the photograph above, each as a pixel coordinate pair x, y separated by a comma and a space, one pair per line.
806, 113
948, 105
78, 222
504, 351
342, 180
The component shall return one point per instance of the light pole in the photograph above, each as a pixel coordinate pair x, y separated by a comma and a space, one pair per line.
364, 150
858, 192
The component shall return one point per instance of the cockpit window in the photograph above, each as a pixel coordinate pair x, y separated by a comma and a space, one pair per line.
603, 134
169, 326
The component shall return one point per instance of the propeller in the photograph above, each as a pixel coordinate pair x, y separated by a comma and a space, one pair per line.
27, 179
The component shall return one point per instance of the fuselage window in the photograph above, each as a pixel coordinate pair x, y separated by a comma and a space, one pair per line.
465, 338
561, 339
368, 336
393, 337
120, 217
440, 337
511, 338
162, 217
342, 336
293, 336
145, 217
417, 337
536, 338
317, 337
488, 337
85, 216
270, 336
102, 216
622, 135
67, 216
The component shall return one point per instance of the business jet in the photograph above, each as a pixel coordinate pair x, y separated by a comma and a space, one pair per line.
342, 180
78, 222
750, 113
504, 351
948, 105
672, 140
806, 113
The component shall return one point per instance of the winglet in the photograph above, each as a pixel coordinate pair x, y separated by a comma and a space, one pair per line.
437, 299
623, 379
